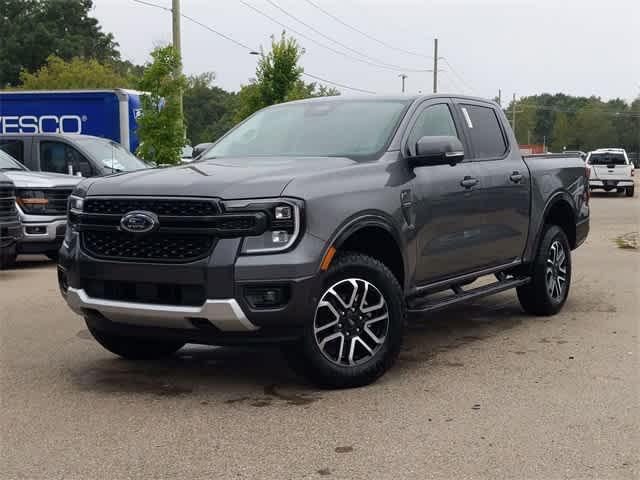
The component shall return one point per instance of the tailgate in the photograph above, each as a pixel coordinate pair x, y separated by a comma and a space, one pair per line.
609, 166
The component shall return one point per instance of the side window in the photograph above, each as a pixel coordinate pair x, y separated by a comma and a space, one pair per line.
58, 157
433, 121
15, 148
485, 132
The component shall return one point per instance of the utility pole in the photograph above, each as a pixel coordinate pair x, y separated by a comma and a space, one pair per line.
500, 97
177, 44
403, 77
513, 113
435, 65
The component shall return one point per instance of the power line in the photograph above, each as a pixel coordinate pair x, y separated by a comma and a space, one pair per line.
323, 45
191, 19
337, 84
337, 42
337, 19
594, 110
459, 77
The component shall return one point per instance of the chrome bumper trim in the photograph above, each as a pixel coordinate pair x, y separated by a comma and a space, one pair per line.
225, 314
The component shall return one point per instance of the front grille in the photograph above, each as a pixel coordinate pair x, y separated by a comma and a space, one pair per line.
157, 246
166, 207
56, 205
143, 292
8, 212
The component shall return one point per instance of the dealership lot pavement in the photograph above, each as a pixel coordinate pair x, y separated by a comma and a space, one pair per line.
480, 391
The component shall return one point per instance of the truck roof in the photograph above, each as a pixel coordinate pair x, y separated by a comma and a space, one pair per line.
387, 97
98, 90
52, 135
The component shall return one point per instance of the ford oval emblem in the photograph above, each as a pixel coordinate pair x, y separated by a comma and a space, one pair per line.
139, 222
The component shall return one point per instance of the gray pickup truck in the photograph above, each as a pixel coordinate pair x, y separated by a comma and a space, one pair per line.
41, 203
321, 224
9, 221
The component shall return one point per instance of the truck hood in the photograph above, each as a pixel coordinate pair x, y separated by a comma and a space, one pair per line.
28, 179
251, 177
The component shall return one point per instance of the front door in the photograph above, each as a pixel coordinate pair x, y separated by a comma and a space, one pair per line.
448, 217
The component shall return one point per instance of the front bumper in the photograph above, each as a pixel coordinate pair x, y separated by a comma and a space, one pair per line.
224, 316
10, 233
41, 233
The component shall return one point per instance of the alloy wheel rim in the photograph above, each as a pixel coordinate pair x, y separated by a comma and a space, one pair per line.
351, 322
556, 271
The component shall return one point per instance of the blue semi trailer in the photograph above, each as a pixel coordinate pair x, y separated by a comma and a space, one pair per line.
103, 113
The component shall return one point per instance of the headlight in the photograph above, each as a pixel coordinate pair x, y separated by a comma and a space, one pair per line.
283, 226
32, 201
75, 204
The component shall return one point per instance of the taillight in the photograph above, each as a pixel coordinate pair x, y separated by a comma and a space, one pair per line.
587, 190
633, 172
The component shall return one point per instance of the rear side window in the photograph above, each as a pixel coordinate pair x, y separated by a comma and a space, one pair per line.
607, 159
15, 148
485, 132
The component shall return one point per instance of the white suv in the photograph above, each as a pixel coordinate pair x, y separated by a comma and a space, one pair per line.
611, 169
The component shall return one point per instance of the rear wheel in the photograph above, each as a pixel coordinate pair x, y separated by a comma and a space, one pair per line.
356, 331
630, 191
549, 286
134, 348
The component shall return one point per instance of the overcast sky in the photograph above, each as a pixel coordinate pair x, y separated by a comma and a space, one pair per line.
579, 47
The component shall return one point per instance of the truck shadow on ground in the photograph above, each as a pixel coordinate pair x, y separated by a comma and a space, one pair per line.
26, 262
227, 373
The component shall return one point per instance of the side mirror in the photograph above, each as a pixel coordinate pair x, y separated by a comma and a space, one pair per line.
199, 149
439, 150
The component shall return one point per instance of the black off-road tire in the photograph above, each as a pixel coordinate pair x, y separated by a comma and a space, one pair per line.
134, 348
535, 297
8, 258
630, 191
306, 356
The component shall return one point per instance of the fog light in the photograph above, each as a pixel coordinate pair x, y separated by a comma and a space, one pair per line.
266, 297
36, 230
279, 236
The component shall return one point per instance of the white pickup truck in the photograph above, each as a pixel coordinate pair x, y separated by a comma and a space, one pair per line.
611, 169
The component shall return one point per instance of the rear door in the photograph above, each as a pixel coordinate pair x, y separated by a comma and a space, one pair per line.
448, 216
503, 193
609, 167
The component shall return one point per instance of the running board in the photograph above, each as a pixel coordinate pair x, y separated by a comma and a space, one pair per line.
460, 295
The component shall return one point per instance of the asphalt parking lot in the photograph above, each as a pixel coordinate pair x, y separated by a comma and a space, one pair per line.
480, 391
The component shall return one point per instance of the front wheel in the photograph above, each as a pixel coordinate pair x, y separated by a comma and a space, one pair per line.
630, 191
551, 279
356, 331
135, 348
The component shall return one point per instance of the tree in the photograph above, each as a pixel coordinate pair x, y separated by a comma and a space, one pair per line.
561, 135
33, 30
78, 73
208, 109
161, 125
277, 79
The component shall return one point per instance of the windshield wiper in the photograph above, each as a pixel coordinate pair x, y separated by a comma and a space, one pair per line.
6, 169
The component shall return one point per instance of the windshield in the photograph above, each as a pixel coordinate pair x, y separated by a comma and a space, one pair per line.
111, 154
350, 128
607, 159
7, 162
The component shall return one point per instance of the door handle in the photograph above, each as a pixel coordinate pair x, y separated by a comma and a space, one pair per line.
516, 177
468, 182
